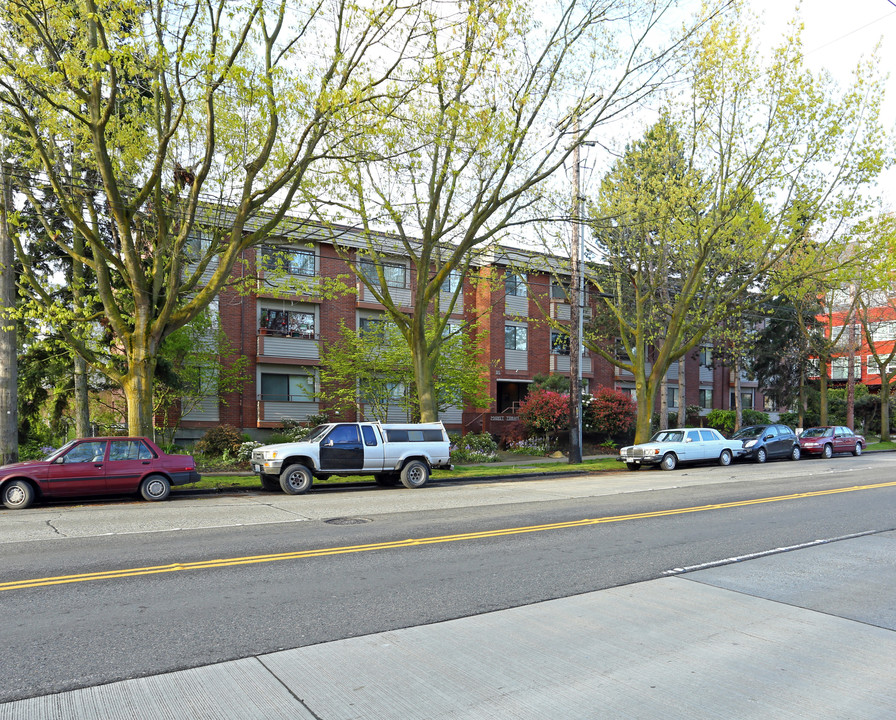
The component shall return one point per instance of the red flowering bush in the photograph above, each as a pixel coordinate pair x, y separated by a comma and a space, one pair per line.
545, 412
609, 412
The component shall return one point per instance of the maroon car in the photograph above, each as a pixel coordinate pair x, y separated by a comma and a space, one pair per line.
97, 466
829, 439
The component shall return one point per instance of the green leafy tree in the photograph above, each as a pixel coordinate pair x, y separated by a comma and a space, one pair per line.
699, 220
499, 101
196, 126
373, 366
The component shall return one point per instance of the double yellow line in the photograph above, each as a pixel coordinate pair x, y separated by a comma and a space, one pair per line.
411, 542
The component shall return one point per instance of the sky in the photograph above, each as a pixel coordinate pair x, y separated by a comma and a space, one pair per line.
836, 36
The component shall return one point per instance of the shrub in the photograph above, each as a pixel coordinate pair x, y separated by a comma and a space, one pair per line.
721, 420
221, 440
529, 446
244, 453
754, 417
475, 447
545, 412
608, 412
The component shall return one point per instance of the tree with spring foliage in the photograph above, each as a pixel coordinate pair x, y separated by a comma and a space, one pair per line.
191, 129
699, 219
499, 101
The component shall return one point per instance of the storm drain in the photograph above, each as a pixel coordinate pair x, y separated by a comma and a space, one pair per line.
347, 521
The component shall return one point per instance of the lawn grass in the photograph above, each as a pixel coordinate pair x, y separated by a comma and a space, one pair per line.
881, 446
212, 481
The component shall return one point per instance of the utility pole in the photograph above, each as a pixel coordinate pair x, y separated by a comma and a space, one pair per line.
576, 294
9, 413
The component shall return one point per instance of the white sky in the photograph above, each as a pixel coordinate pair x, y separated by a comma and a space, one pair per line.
836, 36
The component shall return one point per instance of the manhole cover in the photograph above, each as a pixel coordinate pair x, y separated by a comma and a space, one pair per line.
347, 521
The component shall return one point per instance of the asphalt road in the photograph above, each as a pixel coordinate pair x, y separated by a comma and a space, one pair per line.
281, 572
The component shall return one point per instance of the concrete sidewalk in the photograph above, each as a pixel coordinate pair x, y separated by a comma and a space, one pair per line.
807, 633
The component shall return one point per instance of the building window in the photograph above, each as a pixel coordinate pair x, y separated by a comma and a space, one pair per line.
746, 400
515, 285
287, 388
559, 343
293, 262
840, 368
672, 397
372, 326
706, 398
706, 355
516, 338
452, 282
395, 274
559, 291
288, 322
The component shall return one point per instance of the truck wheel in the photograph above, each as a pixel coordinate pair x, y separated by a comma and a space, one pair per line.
385, 479
270, 483
296, 479
18, 495
414, 474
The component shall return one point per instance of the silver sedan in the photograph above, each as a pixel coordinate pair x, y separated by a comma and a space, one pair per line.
668, 448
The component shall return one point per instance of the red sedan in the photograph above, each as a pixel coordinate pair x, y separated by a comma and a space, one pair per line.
830, 439
97, 466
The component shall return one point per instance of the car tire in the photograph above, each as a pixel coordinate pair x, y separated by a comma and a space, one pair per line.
414, 474
155, 487
296, 479
725, 458
18, 495
633, 466
795, 453
827, 452
669, 461
761, 455
385, 479
271, 483
858, 449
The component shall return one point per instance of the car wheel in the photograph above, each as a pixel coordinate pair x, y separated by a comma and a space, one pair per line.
858, 450
414, 474
270, 483
795, 453
155, 487
725, 458
18, 495
761, 455
633, 466
385, 479
296, 479
670, 462
827, 452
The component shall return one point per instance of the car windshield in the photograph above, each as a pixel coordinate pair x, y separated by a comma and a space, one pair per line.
317, 433
748, 432
668, 436
55, 453
816, 432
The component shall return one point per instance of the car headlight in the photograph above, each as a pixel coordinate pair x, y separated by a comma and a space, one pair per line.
751, 443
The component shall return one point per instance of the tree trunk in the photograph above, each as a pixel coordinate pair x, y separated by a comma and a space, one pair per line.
81, 398
851, 379
423, 376
682, 393
885, 406
738, 402
803, 400
137, 386
664, 403
9, 411
822, 391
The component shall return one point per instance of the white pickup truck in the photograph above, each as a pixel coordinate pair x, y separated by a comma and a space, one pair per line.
390, 452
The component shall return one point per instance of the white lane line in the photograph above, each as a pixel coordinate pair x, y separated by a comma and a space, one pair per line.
764, 553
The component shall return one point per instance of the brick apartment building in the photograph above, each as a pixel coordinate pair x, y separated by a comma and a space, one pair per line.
280, 327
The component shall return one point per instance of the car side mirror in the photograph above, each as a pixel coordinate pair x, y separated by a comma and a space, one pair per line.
60, 460
768, 437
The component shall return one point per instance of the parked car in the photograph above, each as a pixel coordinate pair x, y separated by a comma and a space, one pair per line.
390, 452
829, 439
668, 448
96, 466
765, 442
